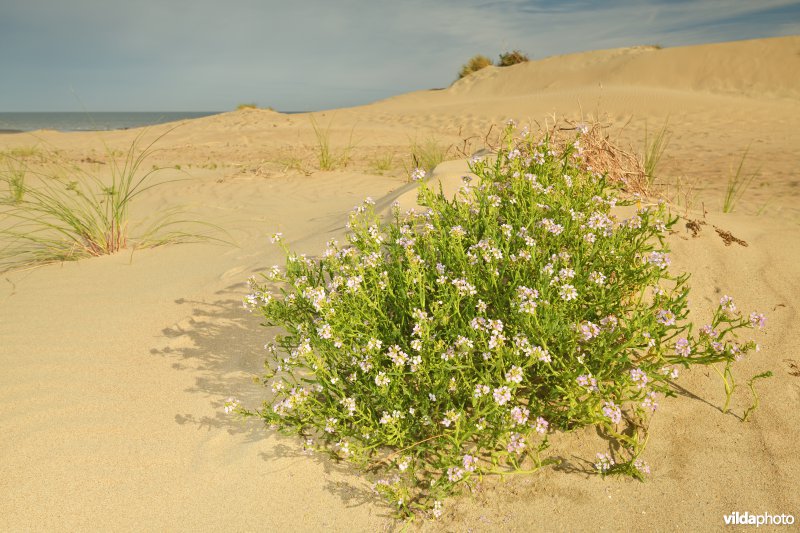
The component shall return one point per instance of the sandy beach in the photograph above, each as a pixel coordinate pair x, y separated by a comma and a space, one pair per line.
116, 369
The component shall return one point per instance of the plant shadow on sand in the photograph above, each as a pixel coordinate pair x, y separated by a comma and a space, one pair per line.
221, 344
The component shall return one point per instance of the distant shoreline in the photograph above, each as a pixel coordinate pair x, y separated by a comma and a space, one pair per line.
12, 122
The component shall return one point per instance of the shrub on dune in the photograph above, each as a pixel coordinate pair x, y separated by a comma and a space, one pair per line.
475, 64
446, 345
512, 58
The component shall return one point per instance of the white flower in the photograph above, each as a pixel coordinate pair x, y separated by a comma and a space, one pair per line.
480, 390
404, 463
418, 174
514, 375
502, 395
567, 292
231, 404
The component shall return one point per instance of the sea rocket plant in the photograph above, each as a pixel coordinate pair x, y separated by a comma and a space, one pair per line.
446, 344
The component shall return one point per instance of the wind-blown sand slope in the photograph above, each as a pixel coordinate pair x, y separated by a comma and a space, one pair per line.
114, 370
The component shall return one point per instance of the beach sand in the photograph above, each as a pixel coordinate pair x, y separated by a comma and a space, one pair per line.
115, 369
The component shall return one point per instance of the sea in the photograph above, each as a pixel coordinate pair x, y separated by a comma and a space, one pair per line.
14, 122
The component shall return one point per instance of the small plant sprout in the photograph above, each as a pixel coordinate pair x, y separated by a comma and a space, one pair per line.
445, 344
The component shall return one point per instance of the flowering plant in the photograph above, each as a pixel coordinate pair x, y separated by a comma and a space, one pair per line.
446, 344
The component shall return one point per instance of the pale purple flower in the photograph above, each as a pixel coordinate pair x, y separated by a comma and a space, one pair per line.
709, 331
551, 226
597, 278
454, 474
398, 356
567, 292
587, 381
480, 390
726, 302
639, 378
231, 404
649, 401
457, 231
350, 405
541, 425
324, 331
418, 174
758, 320
464, 287
330, 425
540, 353
604, 463
470, 463
659, 259
672, 373
612, 412
666, 317
404, 463
516, 444
502, 395
589, 330
610, 322
527, 299
519, 415
514, 375
682, 347
382, 379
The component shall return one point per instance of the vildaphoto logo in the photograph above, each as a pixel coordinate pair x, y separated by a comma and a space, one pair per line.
763, 519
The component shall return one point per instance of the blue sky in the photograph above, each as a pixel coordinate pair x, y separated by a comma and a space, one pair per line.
209, 55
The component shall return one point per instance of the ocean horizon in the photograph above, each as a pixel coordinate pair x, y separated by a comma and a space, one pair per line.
21, 121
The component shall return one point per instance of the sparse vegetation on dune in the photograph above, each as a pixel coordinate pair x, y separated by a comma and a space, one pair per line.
480, 61
426, 154
67, 213
654, 150
327, 157
738, 183
514, 57
475, 64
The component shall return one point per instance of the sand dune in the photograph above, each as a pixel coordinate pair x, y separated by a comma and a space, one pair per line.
115, 369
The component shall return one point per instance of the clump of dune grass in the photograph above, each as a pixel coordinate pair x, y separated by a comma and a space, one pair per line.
512, 58
249, 105
426, 154
14, 178
383, 162
738, 184
653, 151
87, 216
475, 64
327, 158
